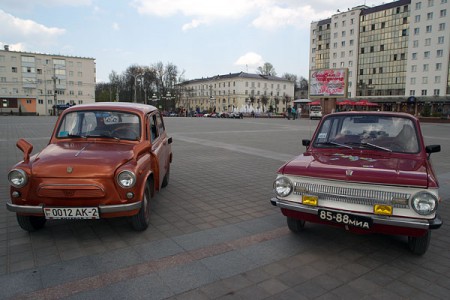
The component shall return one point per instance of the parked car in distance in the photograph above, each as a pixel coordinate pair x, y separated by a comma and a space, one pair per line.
236, 115
103, 160
367, 172
315, 112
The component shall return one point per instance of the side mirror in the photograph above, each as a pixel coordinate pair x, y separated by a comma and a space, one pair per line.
169, 140
306, 143
432, 149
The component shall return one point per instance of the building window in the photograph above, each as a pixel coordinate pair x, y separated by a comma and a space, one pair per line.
441, 26
424, 92
14, 69
414, 68
412, 92
425, 67
424, 80
430, 3
415, 43
426, 54
443, 13
436, 92
440, 40
430, 16
418, 5
416, 31
417, 19
428, 42
439, 53
438, 66
437, 79
429, 28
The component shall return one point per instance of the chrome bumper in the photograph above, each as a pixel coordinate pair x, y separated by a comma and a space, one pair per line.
384, 220
39, 209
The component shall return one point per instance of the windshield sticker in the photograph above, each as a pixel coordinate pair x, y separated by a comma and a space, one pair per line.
323, 135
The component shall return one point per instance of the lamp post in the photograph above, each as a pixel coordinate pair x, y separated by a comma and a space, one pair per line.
135, 85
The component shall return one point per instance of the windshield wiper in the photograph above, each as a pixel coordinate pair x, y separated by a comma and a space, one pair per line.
101, 136
76, 136
332, 143
371, 146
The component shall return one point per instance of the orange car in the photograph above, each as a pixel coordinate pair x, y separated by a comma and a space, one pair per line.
103, 160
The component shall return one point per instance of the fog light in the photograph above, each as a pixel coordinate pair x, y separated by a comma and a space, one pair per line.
15, 194
381, 209
130, 195
310, 200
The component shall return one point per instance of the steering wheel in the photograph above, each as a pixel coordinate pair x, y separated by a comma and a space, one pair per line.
125, 132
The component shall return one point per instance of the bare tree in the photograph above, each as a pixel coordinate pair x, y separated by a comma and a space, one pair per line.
267, 69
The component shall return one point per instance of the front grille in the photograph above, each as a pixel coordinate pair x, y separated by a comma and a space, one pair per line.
352, 195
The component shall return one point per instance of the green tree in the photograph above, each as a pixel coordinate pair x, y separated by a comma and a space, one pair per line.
267, 69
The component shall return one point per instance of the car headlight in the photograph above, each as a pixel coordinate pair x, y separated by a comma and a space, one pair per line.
17, 178
424, 203
126, 179
282, 186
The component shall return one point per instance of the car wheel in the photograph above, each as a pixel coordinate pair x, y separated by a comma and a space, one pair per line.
141, 220
31, 223
419, 244
166, 178
295, 225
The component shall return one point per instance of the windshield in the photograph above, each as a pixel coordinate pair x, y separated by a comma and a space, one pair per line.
375, 132
106, 124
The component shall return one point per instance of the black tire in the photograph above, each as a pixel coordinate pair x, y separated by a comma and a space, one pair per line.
295, 225
419, 244
166, 178
141, 220
30, 223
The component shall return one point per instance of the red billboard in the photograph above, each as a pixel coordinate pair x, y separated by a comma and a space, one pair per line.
328, 83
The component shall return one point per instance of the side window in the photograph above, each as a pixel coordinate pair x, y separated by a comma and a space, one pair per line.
160, 124
154, 127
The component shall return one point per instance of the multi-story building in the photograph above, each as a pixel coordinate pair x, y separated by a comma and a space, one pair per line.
237, 92
41, 84
397, 54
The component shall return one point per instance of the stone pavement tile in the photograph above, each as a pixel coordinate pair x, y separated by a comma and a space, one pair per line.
186, 277
12, 283
348, 292
144, 287
191, 295
289, 294
253, 292
310, 289
297, 276
364, 285
70, 270
273, 286
402, 289
157, 249
425, 286
228, 264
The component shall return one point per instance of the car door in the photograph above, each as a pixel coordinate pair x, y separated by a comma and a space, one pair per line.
161, 147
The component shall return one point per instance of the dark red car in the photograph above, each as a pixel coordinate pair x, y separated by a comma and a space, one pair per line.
367, 172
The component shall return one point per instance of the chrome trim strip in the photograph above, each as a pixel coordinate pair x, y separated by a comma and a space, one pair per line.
120, 207
384, 220
39, 209
26, 209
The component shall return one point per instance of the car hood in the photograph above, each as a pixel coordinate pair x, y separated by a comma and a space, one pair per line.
81, 159
389, 170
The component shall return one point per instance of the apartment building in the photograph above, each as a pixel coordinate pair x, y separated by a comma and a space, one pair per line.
42, 84
236, 92
396, 54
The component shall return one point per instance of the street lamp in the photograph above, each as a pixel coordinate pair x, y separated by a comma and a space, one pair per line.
135, 84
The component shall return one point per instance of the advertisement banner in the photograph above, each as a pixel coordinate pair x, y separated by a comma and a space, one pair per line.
328, 83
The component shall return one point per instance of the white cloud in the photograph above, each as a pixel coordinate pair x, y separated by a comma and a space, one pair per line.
14, 47
250, 59
14, 29
115, 26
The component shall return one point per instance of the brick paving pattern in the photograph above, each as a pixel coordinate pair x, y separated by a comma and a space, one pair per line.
213, 233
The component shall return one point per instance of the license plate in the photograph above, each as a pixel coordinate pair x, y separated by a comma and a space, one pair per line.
71, 213
346, 219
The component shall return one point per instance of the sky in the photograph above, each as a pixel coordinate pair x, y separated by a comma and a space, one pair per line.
202, 38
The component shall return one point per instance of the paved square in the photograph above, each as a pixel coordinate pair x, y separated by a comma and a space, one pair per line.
213, 233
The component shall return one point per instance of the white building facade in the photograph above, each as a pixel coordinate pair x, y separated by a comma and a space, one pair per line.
397, 54
241, 92
41, 84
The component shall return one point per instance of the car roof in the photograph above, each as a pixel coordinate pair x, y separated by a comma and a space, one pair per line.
376, 113
127, 106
